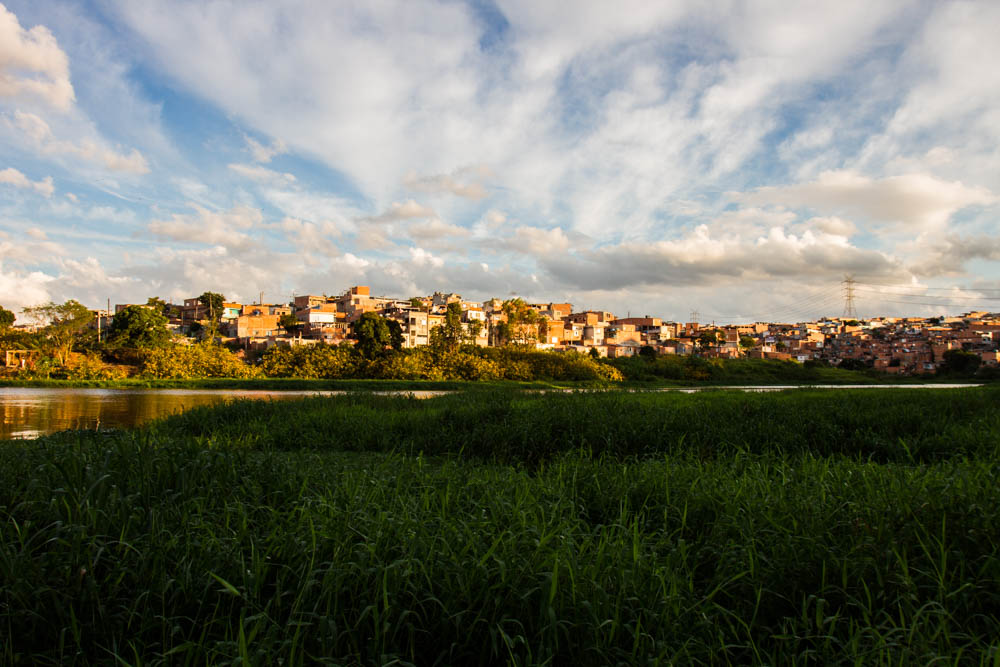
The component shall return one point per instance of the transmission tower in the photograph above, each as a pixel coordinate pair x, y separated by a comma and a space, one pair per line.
848, 287
695, 315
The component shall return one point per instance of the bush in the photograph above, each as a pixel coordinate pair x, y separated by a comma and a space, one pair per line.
203, 360
312, 361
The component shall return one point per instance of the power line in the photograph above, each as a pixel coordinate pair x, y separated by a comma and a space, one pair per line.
956, 287
932, 296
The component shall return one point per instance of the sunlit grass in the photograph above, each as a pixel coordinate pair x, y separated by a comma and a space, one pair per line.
801, 528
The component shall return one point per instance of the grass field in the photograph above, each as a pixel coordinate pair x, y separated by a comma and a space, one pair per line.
498, 527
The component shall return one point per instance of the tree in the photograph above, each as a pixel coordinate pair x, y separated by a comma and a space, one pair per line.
158, 304
448, 336
395, 334
708, 339
138, 327
523, 322
960, 362
647, 352
6, 318
747, 343
213, 302
65, 323
472, 330
373, 335
594, 354
289, 323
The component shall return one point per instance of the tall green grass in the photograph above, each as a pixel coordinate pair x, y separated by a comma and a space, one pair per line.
637, 529
518, 427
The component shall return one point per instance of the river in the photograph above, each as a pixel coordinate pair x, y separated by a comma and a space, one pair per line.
31, 412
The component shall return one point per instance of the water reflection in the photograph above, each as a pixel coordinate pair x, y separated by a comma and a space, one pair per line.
31, 412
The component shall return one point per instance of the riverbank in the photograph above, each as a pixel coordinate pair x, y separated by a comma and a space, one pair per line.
502, 527
298, 384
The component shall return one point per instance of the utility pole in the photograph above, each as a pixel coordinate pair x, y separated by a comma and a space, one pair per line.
850, 312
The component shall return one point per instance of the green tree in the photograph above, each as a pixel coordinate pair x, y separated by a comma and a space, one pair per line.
289, 323
747, 343
708, 338
65, 323
6, 318
158, 304
472, 330
960, 362
647, 352
395, 334
138, 327
448, 336
373, 335
524, 323
594, 354
213, 303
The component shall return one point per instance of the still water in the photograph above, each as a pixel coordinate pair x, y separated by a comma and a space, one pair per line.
31, 412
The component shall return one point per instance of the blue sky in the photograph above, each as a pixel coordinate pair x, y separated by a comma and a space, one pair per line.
732, 158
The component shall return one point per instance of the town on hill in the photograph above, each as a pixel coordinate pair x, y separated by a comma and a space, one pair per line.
896, 345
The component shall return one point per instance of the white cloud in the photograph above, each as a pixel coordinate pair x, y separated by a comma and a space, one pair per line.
262, 153
917, 200
225, 229
701, 258
31, 63
457, 183
13, 177
21, 289
85, 149
406, 210
421, 257
435, 229
310, 237
263, 174
536, 241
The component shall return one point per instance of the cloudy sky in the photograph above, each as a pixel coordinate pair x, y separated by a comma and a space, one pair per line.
731, 158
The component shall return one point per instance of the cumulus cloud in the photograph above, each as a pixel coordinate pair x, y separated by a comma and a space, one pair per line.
311, 237
406, 210
13, 177
31, 63
457, 183
536, 241
917, 200
421, 257
225, 229
435, 229
701, 258
88, 150
21, 289
263, 174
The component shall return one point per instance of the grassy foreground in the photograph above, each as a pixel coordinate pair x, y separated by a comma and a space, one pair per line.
808, 527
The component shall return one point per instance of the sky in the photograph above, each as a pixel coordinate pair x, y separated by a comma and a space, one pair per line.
731, 159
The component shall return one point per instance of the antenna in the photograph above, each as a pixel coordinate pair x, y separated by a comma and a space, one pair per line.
850, 312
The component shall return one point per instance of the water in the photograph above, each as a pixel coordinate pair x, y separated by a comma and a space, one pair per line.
31, 412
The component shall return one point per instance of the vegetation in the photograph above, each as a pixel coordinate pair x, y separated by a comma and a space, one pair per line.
6, 318
63, 325
808, 527
195, 361
138, 327
214, 304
